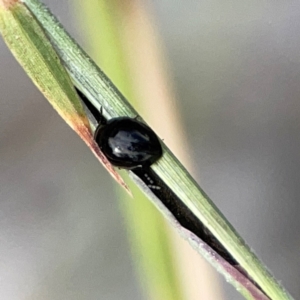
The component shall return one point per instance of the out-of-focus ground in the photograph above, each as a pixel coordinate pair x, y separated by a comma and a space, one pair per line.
236, 69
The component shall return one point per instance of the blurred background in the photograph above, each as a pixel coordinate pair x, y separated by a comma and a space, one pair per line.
235, 67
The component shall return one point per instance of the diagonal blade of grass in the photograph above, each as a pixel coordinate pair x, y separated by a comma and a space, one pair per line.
98, 88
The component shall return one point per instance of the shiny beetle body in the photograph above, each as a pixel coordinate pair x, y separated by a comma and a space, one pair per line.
128, 143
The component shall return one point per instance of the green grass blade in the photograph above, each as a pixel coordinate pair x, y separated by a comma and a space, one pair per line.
99, 89
97, 86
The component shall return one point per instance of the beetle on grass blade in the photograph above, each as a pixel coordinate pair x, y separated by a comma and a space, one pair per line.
126, 142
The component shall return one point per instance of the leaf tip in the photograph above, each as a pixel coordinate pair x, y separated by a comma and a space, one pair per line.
85, 134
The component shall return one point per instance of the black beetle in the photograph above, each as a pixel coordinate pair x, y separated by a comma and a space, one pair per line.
128, 143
